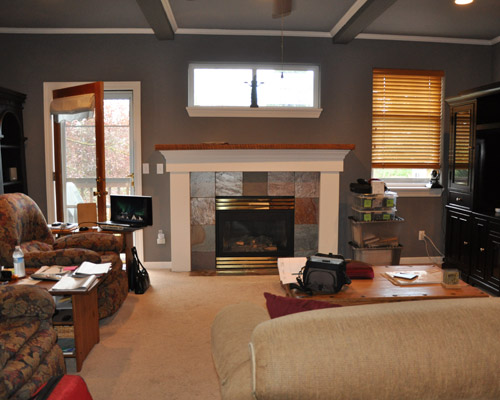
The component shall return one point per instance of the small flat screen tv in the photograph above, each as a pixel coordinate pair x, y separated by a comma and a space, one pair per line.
131, 210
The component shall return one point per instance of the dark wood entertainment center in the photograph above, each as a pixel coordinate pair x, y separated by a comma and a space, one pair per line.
472, 224
12, 156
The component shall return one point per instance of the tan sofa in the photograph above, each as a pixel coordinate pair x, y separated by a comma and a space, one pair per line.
433, 349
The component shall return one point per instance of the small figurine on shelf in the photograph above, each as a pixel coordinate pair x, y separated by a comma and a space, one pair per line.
434, 182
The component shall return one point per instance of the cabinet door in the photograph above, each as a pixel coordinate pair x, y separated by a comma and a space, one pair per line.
461, 147
458, 244
492, 273
479, 244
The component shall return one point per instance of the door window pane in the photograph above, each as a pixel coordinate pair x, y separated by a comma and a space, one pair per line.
79, 153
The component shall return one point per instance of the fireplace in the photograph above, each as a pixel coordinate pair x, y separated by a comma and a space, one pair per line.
252, 232
184, 159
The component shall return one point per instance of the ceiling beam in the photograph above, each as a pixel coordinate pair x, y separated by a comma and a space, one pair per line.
157, 18
361, 15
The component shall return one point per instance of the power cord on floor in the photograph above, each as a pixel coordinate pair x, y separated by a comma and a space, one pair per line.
427, 238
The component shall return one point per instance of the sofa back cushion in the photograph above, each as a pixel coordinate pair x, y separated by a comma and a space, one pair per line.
437, 349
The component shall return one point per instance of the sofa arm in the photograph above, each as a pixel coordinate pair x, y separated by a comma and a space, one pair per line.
25, 301
71, 256
230, 333
91, 240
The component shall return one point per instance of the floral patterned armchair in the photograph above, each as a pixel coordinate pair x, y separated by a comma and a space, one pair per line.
22, 223
29, 354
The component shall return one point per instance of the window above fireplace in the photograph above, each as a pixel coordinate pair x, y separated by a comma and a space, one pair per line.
253, 90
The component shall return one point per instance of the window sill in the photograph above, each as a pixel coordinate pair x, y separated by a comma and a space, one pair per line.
247, 112
416, 191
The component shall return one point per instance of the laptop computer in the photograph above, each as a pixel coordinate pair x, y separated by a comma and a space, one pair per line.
129, 213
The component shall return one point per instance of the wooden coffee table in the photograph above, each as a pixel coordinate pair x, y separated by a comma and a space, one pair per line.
381, 290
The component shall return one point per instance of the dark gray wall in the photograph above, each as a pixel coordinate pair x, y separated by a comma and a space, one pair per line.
161, 66
496, 63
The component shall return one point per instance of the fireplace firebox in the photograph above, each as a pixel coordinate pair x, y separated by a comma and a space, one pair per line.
252, 232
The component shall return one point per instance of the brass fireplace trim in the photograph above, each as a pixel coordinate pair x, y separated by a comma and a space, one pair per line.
254, 203
246, 262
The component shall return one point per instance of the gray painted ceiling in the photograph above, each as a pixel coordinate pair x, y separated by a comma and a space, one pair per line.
430, 18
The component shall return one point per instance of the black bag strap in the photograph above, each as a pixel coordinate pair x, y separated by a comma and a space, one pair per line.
136, 258
47, 389
301, 285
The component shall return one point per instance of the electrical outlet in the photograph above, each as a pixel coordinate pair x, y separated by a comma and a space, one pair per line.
421, 235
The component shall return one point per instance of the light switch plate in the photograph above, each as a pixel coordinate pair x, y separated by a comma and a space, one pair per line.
145, 168
159, 169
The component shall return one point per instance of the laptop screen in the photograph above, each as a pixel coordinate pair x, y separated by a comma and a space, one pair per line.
131, 210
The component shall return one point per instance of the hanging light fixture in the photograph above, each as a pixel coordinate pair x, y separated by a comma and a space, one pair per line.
281, 9
463, 2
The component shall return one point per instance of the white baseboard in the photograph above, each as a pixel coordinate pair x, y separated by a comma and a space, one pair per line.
158, 265
421, 260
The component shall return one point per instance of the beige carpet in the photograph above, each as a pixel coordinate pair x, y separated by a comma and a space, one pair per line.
157, 346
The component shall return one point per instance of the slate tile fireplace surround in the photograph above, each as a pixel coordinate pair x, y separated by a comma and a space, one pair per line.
288, 200
307, 172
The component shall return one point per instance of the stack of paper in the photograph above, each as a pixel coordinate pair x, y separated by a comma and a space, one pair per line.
88, 268
53, 273
76, 284
289, 268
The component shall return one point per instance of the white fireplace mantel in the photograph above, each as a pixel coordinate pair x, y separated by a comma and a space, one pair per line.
181, 160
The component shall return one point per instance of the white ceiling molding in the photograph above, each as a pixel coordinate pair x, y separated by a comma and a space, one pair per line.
347, 16
243, 32
222, 32
405, 38
78, 31
170, 15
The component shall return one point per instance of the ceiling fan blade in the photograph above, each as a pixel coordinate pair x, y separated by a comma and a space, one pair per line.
282, 8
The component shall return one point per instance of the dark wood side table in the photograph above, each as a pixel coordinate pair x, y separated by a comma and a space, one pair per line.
84, 317
127, 234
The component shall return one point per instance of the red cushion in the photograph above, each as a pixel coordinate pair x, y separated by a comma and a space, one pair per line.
67, 387
279, 306
359, 270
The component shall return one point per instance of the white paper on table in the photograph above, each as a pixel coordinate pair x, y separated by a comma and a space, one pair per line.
289, 268
88, 268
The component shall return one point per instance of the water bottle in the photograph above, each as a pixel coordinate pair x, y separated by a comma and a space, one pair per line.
18, 257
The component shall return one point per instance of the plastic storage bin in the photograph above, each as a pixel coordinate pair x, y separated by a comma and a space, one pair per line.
384, 214
377, 256
376, 233
374, 201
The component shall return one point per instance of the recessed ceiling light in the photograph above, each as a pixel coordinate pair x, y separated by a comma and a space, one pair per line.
463, 2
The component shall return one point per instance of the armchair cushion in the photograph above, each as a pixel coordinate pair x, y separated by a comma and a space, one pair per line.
91, 240
29, 355
37, 259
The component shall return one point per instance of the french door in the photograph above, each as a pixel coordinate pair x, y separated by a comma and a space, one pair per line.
94, 155
120, 176
60, 126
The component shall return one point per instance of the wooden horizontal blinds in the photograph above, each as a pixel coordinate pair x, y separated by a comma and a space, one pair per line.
406, 118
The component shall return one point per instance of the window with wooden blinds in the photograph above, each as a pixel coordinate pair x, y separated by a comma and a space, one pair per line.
406, 118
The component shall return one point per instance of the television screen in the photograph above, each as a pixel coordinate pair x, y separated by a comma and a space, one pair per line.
133, 210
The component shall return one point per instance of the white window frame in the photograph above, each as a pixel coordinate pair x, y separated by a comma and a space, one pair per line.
260, 112
417, 187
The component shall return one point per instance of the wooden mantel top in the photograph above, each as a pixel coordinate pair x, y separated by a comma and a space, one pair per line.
262, 146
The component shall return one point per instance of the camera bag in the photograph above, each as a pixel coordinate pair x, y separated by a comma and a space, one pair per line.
323, 274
